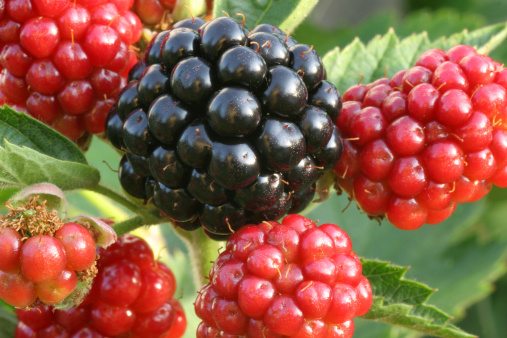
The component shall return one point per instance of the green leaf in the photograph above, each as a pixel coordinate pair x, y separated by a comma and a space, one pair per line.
22, 166
386, 55
23, 130
8, 320
487, 318
285, 14
402, 302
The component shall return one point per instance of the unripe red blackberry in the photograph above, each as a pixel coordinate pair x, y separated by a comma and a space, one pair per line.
222, 128
64, 62
132, 295
284, 279
43, 265
427, 139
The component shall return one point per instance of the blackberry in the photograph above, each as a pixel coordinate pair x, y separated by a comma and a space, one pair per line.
261, 195
115, 129
181, 43
152, 53
272, 48
242, 66
132, 182
193, 23
308, 64
234, 112
136, 71
223, 128
192, 81
266, 28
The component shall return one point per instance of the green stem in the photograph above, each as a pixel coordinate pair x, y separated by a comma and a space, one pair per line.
113, 195
203, 252
146, 215
129, 225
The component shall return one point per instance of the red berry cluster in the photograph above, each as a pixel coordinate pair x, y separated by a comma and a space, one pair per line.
65, 61
132, 296
429, 138
43, 267
284, 279
45, 322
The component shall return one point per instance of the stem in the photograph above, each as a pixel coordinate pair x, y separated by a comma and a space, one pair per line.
113, 195
150, 215
203, 252
128, 225
145, 215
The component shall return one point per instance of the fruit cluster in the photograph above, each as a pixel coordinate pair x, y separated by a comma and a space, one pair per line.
65, 61
43, 262
427, 139
284, 279
224, 127
132, 296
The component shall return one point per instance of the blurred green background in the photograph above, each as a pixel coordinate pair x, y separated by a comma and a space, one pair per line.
464, 257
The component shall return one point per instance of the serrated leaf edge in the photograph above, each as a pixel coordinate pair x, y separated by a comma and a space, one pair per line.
333, 58
379, 303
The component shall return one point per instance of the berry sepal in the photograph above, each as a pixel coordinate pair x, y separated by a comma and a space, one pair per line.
46, 191
407, 306
103, 233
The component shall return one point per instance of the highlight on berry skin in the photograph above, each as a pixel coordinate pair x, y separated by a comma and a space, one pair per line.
427, 139
232, 130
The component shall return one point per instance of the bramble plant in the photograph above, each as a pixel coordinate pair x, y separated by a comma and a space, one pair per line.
240, 144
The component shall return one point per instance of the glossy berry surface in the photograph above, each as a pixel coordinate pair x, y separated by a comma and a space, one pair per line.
10, 249
73, 58
223, 128
79, 246
423, 141
131, 295
44, 268
42, 259
282, 280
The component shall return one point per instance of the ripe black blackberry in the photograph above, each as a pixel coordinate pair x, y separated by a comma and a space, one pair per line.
222, 127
